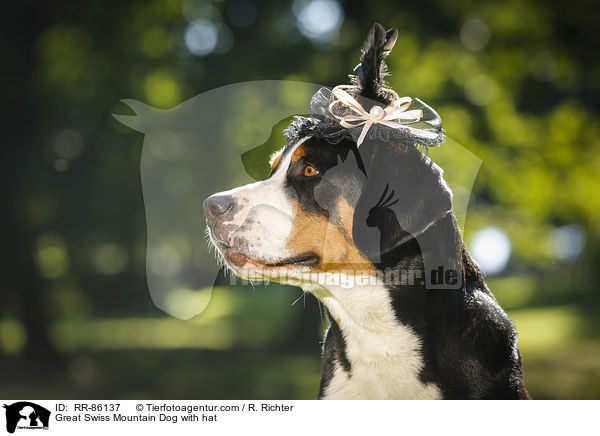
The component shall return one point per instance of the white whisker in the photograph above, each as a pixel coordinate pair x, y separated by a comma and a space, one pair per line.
298, 299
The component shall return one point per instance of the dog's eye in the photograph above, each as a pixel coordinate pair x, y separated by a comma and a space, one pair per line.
310, 171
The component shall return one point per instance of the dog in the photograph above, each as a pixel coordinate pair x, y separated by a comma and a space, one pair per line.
356, 213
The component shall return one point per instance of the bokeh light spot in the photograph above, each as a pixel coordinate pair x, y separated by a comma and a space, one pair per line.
162, 89
60, 165
68, 144
186, 303
201, 37
567, 242
51, 256
481, 90
165, 260
544, 67
194, 9
110, 259
491, 249
474, 34
155, 42
224, 39
12, 336
318, 19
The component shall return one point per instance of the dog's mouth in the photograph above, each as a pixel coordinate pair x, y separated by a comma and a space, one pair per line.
306, 259
242, 260
235, 254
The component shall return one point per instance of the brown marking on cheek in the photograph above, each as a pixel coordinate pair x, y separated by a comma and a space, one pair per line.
332, 242
346, 216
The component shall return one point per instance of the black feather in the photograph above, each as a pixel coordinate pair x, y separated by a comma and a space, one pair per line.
372, 68
370, 88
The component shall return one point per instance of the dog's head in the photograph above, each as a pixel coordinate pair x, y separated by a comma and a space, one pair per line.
330, 206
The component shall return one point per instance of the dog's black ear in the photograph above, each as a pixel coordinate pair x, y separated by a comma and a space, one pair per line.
405, 193
372, 68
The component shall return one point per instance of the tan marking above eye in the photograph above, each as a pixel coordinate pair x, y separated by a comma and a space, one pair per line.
298, 153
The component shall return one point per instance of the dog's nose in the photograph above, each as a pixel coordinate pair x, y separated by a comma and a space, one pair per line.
217, 205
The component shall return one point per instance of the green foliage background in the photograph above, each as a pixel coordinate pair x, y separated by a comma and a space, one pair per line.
516, 82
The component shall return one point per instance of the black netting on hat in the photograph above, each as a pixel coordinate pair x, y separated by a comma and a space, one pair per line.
323, 125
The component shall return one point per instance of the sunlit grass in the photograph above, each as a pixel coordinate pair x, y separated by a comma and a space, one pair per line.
231, 319
128, 333
543, 329
560, 358
567, 371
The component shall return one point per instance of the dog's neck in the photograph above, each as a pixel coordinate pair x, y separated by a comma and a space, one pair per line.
376, 356
377, 325
362, 312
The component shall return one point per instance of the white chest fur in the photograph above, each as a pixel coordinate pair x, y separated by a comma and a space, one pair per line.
384, 355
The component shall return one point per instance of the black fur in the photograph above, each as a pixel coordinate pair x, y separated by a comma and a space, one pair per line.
469, 344
334, 351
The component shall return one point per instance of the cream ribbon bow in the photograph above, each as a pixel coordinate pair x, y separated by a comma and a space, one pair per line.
395, 115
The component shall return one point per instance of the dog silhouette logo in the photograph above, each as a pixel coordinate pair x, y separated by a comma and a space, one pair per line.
190, 152
26, 415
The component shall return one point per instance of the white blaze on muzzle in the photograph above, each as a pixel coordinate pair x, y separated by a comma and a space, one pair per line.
264, 214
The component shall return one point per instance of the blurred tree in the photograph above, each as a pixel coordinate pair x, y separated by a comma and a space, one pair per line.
516, 82
24, 290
